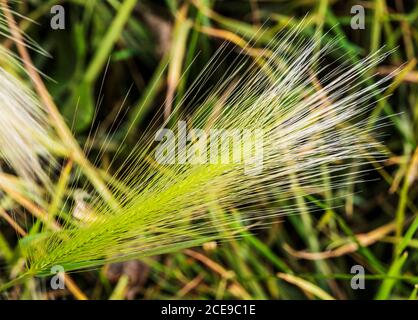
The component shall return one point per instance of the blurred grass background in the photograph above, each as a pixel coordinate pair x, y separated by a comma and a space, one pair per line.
137, 54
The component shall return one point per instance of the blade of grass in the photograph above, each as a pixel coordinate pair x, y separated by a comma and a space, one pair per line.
388, 283
306, 286
109, 40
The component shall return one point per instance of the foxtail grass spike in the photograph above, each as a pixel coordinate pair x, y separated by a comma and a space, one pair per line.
277, 120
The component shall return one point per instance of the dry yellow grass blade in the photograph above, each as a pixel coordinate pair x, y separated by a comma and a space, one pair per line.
364, 239
306, 286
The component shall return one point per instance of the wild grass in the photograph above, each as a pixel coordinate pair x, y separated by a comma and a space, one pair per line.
313, 91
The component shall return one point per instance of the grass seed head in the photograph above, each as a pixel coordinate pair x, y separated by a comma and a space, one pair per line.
309, 114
